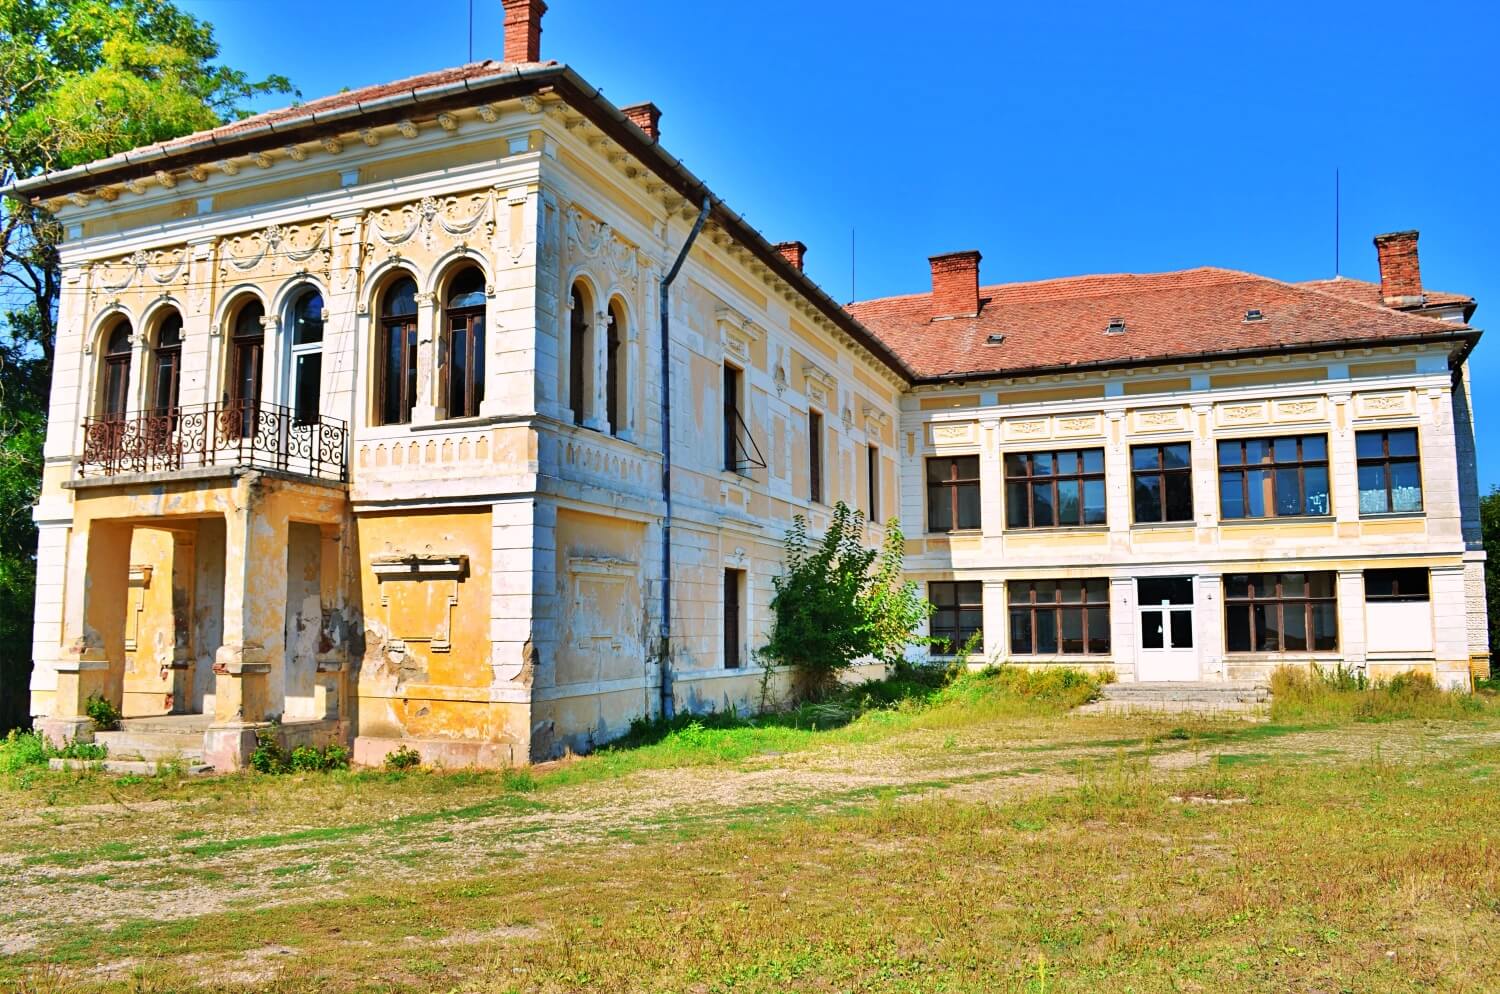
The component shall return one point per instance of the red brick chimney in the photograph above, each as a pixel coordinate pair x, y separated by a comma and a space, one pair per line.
955, 285
523, 30
647, 117
793, 252
1400, 276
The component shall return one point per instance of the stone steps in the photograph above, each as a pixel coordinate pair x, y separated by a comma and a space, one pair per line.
1239, 698
139, 767
152, 745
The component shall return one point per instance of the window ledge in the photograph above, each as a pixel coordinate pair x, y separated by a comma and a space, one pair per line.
1393, 516
1296, 656
1059, 529
960, 532
1288, 519
1164, 525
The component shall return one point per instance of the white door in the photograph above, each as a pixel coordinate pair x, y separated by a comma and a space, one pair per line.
1166, 646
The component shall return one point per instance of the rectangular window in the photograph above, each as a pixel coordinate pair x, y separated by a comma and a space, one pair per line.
1273, 477
1396, 585
815, 457
733, 582
1058, 617
958, 614
872, 476
1049, 489
1390, 471
1280, 612
731, 417
1161, 482
952, 493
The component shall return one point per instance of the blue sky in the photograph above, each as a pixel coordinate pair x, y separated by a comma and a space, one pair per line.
1057, 139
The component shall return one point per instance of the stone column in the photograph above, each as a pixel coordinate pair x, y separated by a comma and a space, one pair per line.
1208, 626
184, 588
1353, 641
425, 407
1450, 628
1122, 627
91, 660
596, 406
523, 609
333, 656
996, 622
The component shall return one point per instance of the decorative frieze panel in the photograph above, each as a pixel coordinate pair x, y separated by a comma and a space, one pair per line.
423, 615
446, 451
738, 334
1158, 419
945, 434
1387, 404
1242, 414
433, 223
143, 271
1077, 425
821, 387
1296, 409
599, 243
1062, 426
277, 251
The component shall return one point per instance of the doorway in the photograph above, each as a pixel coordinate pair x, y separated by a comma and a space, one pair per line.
1166, 611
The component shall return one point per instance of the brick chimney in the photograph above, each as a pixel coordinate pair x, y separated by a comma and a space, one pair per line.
1400, 276
955, 285
793, 252
647, 117
523, 30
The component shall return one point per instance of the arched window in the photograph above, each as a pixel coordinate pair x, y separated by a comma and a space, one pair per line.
246, 353
305, 357
578, 352
464, 345
396, 383
114, 396
166, 362
614, 368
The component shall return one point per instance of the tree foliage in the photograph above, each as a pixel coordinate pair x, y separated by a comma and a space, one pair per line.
838, 602
79, 80
1489, 523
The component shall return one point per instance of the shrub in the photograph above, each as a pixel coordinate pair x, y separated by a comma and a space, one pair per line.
268, 755
305, 759
271, 757
80, 750
21, 749
336, 757
840, 602
403, 758
105, 716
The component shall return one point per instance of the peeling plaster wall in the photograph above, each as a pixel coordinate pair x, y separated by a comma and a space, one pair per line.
304, 618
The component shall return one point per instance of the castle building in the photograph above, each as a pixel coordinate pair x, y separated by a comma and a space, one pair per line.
420, 413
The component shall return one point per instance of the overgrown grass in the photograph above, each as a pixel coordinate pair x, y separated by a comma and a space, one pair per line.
1338, 694
934, 696
19, 750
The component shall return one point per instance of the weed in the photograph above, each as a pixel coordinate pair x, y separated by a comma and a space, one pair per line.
403, 758
103, 713
1319, 694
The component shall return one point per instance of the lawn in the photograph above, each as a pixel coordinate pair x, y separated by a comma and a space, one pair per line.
969, 837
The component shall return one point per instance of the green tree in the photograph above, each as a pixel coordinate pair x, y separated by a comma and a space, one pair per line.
79, 80
839, 602
1489, 523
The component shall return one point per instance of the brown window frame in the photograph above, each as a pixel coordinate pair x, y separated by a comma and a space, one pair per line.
815, 456
403, 328
1093, 596
734, 592
1385, 461
1163, 476
1278, 601
1274, 468
114, 387
1397, 592
247, 349
468, 322
1030, 479
946, 492
167, 360
731, 384
957, 596
578, 340
872, 481
614, 369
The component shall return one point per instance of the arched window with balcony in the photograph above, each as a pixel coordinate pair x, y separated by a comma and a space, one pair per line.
247, 350
615, 370
304, 380
166, 364
580, 352
463, 361
396, 374
114, 387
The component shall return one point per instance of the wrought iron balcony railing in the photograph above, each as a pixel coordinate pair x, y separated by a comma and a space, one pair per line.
237, 433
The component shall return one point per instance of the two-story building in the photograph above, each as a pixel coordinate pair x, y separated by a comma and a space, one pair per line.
457, 412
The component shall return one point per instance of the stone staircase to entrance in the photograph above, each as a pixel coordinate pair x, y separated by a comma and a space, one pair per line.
164, 737
1242, 698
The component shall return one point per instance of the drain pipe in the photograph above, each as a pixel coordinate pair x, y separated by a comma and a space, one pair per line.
666, 462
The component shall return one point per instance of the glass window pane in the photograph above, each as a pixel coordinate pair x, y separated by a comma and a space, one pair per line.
1231, 494
1237, 634
1096, 591
1236, 585
1093, 460
1288, 492
1315, 478
1372, 499
1403, 443
1267, 628
1041, 505
1046, 631
943, 620
1015, 505
1293, 628
1178, 456
458, 370
1072, 630
1152, 631
1148, 498
1098, 618
1229, 453
967, 467
941, 594
1046, 591
938, 470
1179, 497
1258, 496
1041, 464
1314, 448
1294, 585
400, 299
1369, 444
1067, 463
1015, 464
1325, 622
309, 375
1406, 486
1285, 449
1067, 503
1093, 502
1319, 584
1257, 450
1263, 584
968, 505
939, 510
1145, 457
1182, 629
970, 620
1020, 632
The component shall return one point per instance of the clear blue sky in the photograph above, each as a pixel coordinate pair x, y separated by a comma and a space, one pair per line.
1057, 138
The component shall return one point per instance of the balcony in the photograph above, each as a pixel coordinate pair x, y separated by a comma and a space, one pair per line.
237, 433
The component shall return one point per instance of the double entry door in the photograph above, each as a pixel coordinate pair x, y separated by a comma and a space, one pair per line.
1166, 632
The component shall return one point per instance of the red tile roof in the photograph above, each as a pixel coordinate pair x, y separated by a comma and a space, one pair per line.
1365, 292
1061, 323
